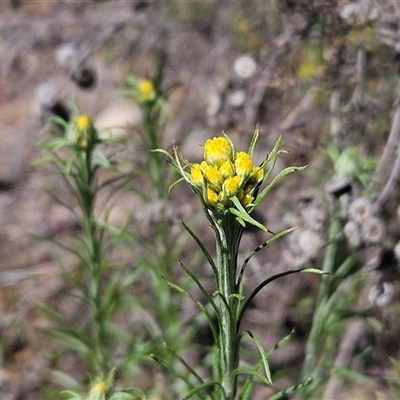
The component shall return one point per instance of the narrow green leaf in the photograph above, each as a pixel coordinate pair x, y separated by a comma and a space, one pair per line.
240, 212
283, 393
200, 305
70, 395
70, 338
260, 247
254, 139
251, 372
281, 343
315, 271
261, 286
186, 365
262, 352
202, 248
197, 389
277, 178
100, 159
200, 286
171, 369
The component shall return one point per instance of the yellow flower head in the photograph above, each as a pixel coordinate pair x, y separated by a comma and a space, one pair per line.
98, 391
196, 175
81, 132
212, 197
231, 186
146, 90
243, 165
83, 122
214, 177
246, 199
257, 175
227, 169
217, 150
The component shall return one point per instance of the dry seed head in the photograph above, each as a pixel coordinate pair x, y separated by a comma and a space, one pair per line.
245, 66
309, 242
372, 230
314, 218
353, 235
361, 209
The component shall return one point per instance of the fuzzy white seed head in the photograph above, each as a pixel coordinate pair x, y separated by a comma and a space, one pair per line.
245, 66
236, 98
353, 235
372, 230
361, 209
314, 218
65, 55
310, 242
381, 294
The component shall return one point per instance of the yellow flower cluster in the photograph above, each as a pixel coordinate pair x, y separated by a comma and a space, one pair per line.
98, 391
146, 90
81, 132
226, 174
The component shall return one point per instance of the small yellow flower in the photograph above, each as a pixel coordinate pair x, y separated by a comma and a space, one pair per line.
196, 175
217, 150
214, 177
226, 169
231, 186
257, 175
212, 197
83, 122
146, 90
243, 165
246, 199
98, 391
81, 132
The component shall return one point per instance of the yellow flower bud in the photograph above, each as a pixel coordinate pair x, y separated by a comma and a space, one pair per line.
243, 165
196, 175
83, 122
214, 177
217, 150
257, 175
98, 391
212, 197
81, 132
231, 186
226, 169
146, 90
246, 199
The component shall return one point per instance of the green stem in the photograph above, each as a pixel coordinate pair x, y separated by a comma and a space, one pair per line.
87, 193
228, 234
154, 161
320, 312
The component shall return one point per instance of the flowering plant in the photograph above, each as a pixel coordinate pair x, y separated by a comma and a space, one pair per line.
229, 187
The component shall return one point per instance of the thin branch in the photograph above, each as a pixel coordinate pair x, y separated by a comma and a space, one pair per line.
336, 125
390, 184
348, 344
393, 135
